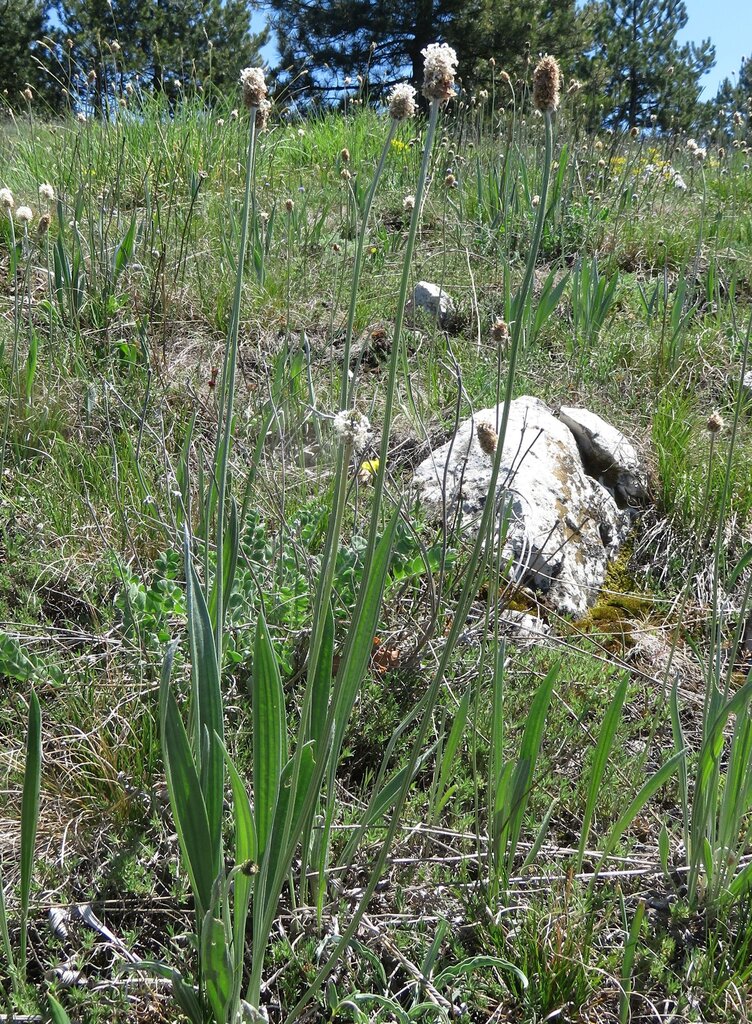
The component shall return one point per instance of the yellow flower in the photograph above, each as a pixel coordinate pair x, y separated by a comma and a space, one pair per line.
368, 471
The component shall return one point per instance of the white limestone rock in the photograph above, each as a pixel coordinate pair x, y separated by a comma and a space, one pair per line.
563, 525
525, 629
434, 301
608, 456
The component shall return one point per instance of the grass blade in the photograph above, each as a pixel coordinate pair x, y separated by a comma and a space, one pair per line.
600, 760
523, 774
186, 798
628, 963
29, 816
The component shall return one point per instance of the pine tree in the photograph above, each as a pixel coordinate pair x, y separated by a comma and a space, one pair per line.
516, 34
730, 112
651, 80
346, 37
162, 42
336, 38
22, 25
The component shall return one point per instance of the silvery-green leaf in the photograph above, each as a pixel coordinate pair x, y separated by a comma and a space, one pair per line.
88, 916
67, 977
58, 918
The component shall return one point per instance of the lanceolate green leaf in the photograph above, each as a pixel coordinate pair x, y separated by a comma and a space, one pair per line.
540, 835
322, 680
742, 883
184, 995
651, 787
600, 759
246, 853
304, 780
354, 662
216, 966
124, 251
360, 639
501, 810
478, 963
736, 792
705, 795
389, 793
448, 766
523, 774
4, 932
206, 707
351, 671
57, 1013
628, 963
269, 733
186, 798
31, 364
739, 568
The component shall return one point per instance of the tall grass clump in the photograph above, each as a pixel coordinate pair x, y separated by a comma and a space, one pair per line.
715, 783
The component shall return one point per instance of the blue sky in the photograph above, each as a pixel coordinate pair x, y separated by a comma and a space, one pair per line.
728, 23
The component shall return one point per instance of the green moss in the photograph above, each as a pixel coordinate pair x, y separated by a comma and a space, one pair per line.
632, 603
603, 613
619, 578
619, 604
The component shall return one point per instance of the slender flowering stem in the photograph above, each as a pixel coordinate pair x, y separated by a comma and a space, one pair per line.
396, 342
326, 576
704, 823
18, 299
16, 329
227, 392
358, 266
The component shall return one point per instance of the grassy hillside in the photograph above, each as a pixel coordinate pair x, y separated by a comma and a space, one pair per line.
517, 833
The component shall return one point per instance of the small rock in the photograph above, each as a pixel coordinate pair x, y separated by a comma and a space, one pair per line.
608, 456
523, 628
433, 300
